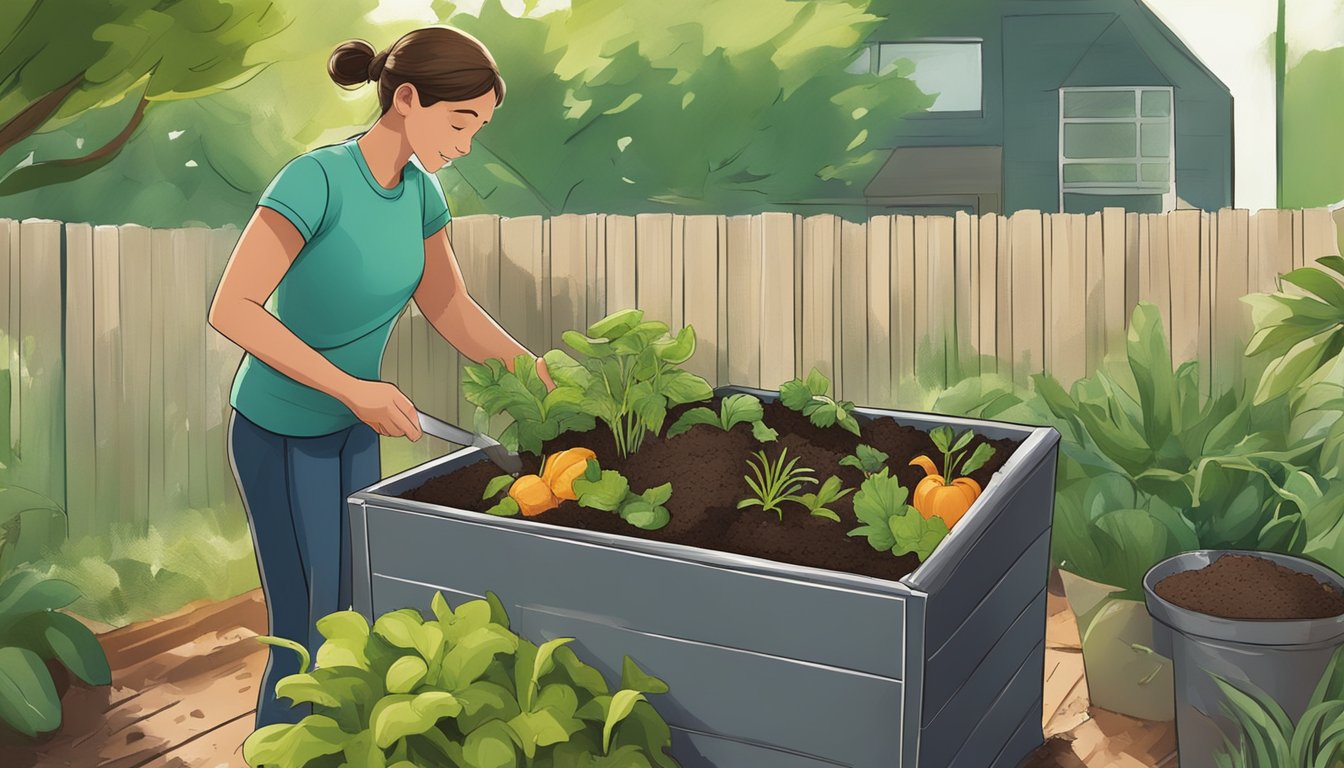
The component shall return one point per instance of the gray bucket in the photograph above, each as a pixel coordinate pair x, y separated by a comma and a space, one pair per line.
1285, 659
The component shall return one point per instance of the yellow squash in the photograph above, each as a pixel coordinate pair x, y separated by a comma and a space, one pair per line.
934, 496
533, 495
563, 468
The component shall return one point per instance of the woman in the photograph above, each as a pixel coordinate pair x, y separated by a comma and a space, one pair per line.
344, 237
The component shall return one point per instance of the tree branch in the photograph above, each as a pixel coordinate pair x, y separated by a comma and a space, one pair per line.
68, 169
24, 124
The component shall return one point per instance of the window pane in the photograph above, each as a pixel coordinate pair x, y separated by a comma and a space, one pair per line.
862, 63
1086, 172
1098, 103
1109, 140
1156, 140
950, 70
1155, 172
1156, 103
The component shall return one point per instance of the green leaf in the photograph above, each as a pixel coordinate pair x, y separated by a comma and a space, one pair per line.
616, 324
817, 383
879, 498
405, 673
541, 665
566, 372
622, 702
399, 627
794, 395
679, 350
645, 515
763, 433
866, 458
397, 716
466, 661
295, 743
1321, 284
979, 457
1289, 370
658, 494
636, 679
348, 624
498, 614
442, 611
28, 701
497, 484
592, 471
305, 688
605, 494
681, 387
539, 728
506, 507
491, 746
694, 416
28, 592
915, 533
284, 642
740, 408
77, 648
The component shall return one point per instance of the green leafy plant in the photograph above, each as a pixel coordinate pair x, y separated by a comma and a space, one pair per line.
953, 448
830, 492
633, 376
1267, 737
809, 398
609, 490
505, 507
459, 689
891, 524
33, 630
735, 409
775, 483
538, 415
866, 459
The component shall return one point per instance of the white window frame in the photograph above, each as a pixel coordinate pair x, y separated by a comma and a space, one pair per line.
1137, 187
875, 56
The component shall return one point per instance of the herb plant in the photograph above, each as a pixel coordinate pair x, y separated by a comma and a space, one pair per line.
892, 525
33, 630
459, 689
1267, 736
830, 492
633, 376
775, 483
866, 459
733, 409
538, 415
809, 398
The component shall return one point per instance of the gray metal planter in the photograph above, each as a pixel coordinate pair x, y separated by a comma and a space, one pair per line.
769, 664
1285, 659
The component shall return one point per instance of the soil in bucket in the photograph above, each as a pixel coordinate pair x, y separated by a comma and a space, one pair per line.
706, 467
1249, 587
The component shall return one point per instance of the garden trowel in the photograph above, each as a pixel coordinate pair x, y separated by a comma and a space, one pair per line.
502, 457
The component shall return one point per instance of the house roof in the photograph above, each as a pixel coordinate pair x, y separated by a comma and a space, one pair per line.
1116, 58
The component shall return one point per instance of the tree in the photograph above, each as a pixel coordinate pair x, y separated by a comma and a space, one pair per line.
145, 51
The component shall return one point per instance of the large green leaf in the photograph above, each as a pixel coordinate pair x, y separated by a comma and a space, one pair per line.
27, 592
622, 703
472, 655
305, 688
28, 701
491, 746
295, 744
400, 715
75, 646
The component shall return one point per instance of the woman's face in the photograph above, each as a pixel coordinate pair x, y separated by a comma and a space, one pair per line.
442, 131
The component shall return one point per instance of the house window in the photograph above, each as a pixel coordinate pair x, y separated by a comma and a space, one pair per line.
1117, 141
951, 69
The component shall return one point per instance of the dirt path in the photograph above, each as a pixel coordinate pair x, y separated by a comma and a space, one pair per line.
183, 694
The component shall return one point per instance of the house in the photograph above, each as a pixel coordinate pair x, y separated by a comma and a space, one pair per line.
1054, 105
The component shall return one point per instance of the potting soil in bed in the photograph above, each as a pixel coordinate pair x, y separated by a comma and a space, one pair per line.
707, 466
1247, 587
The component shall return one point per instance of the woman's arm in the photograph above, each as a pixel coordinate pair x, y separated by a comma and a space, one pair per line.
443, 299
262, 256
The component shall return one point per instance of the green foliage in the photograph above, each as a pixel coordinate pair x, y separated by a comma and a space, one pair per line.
538, 415
808, 397
866, 459
1267, 736
632, 374
830, 492
775, 483
32, 630
953, 448
892, 525
1313, 168
505, 507
32, 526
458, 689
608, 490
735, 409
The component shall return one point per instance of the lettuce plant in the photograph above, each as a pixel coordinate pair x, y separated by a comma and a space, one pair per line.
33, 630
892, 525
461, 689
608, 490
1268, 738
809, 398
866, 459
538, 415
735, 409
633, 376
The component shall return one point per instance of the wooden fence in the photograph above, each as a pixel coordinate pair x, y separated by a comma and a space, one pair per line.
119, 388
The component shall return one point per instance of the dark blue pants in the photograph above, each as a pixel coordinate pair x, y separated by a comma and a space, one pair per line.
294, 490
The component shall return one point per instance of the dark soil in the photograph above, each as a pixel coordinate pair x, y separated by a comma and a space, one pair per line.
706, 467
1246, 587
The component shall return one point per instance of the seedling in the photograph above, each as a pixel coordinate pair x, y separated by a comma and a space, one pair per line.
866, 459
810, 399
733, 410
890, 523
775, 483
830, 492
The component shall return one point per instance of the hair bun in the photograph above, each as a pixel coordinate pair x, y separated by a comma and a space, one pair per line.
351, 63
376, 65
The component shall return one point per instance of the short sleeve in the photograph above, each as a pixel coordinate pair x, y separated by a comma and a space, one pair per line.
436, 213
299, 192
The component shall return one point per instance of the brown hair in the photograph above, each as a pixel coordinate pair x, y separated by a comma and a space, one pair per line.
443, 64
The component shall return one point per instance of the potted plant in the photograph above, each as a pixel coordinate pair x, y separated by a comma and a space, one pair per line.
701, 538
1232, 620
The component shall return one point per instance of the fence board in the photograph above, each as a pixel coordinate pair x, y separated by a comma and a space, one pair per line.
678, 269
620, 260
569, 284
476, 244
744, 306
223, 359
852, 313
1207, 265
175, 337
1318, 236
878, 302
1003, 304
820, 246
191, 333
903, 309
11, 273
966, 304
925, 358
778, 315
81, 448
653, 265
1159, 266
520, 280
987, 297
1028, 295
105, 264
1113, 252
42, 404
943, 298
1231, 314
700, 270
1132, 259
136, 323
1184, 238
1068, 296
1096, 294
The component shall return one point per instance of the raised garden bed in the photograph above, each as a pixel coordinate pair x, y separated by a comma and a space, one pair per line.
797, 646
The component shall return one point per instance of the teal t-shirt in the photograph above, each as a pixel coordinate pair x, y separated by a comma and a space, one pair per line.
362, 259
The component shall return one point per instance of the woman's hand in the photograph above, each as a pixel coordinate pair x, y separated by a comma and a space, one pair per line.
382, 406
545, 373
